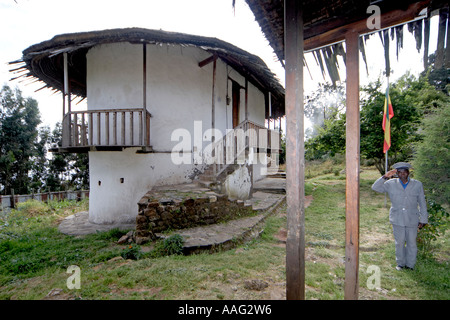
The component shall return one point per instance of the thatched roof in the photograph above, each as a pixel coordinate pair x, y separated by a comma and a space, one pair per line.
326, 22
44, 61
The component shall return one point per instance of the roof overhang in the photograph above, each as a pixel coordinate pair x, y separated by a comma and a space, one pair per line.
44, 61
327, 22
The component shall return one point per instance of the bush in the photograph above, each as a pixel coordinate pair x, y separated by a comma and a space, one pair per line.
173, 244
132, 252
33, 208
170, 246
437, 225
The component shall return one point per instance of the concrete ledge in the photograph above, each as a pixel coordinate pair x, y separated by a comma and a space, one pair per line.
78, 224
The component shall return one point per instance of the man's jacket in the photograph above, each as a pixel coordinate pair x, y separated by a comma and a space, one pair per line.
408, 206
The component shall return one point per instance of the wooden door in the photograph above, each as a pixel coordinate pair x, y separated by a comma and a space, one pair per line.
236, 94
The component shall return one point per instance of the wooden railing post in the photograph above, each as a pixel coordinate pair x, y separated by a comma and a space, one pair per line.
115, 127
99, 129
147, 142
91, 129
131, 128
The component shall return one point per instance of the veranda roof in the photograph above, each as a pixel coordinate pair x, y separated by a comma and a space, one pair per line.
323, 16
325, 23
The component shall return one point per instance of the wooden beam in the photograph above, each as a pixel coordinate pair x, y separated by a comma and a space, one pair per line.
351, 286
203, 63
387, 19
295, 183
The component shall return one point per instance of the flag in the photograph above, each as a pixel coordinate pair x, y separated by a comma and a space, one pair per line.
388, 113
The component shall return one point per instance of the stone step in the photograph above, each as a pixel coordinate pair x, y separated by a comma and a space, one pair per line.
206, 183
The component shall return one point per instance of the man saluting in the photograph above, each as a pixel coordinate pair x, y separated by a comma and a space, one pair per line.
408, 211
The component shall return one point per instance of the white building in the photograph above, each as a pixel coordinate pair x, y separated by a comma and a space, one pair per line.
159, 107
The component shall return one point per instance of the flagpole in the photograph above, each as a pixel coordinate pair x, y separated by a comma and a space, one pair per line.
385, 172
386, 156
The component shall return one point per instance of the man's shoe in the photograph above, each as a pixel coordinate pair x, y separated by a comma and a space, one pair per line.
399, 268
409, 268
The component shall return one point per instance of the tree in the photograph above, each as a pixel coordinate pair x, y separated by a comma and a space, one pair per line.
329, 140
411, 99
437, 77
432, 159
19, 119
406, 100
39, 161
66, 170
323, 104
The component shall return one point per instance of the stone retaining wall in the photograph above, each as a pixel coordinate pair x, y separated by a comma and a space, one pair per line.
172, 209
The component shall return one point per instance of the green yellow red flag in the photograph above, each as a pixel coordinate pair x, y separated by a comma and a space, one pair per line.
388, 113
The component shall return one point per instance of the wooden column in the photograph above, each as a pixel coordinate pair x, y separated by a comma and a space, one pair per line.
66, 81
295, 185
351, 287
144, 96
213, 98
213, 114
270, 110
246, 99
67, 121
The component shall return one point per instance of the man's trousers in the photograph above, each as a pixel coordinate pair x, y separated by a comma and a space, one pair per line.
405, 245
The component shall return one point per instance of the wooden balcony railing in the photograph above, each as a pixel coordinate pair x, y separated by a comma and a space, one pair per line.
106, 129
231, 148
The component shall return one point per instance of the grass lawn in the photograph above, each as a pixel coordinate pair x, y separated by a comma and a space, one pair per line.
34, 257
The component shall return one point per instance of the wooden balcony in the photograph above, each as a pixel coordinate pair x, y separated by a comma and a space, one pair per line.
105, 130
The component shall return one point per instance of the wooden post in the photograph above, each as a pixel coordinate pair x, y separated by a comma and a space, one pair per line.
12, 203
351, 286
213, 114
270, 110
144, 96
295, 184
246, 99
66, 95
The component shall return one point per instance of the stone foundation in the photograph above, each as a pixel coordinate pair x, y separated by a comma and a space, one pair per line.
160, 210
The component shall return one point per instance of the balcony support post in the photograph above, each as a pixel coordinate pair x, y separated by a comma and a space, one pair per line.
144, 97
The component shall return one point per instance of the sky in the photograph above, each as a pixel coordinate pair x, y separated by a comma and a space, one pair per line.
27, 22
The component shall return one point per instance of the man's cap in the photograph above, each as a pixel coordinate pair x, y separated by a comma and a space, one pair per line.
401, 165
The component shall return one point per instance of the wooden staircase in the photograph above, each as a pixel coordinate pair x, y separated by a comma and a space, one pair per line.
236, 148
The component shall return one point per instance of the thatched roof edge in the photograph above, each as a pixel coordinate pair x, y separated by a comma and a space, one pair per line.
43, 60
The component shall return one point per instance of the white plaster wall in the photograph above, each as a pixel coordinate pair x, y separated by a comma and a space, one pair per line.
256, 105
114, 200
114, 76
238, 184
179, 94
